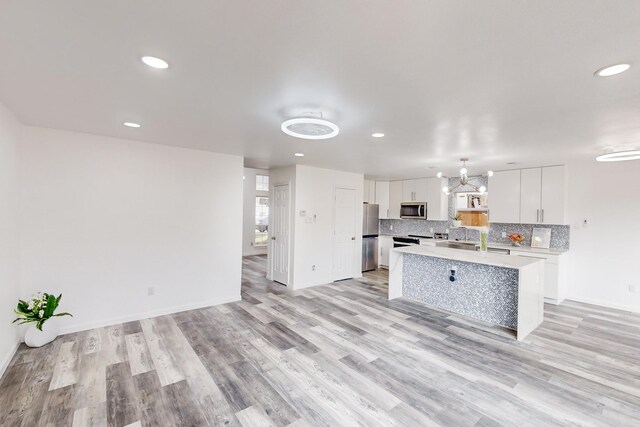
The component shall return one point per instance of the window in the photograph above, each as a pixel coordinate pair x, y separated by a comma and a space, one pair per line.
262, 182
262, 220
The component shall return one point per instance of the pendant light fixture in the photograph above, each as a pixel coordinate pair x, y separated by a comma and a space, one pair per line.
464, 180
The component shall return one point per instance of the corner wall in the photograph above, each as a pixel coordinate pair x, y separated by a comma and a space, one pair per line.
315, 193
10, 130
604, 254
107, 222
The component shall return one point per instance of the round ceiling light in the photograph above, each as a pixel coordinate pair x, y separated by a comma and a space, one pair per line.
154, 62
131, 125
299, 154
310, 128
377, 135
619, 156
612, 70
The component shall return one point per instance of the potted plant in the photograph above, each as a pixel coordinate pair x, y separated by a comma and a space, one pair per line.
516, 239
36, 312
456, 221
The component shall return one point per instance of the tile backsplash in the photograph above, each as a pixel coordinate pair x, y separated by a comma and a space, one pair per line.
559, 233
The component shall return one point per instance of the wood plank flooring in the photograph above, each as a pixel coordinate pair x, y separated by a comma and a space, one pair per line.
333, 355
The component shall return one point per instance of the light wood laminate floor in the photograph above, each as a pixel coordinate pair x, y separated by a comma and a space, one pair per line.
333, 355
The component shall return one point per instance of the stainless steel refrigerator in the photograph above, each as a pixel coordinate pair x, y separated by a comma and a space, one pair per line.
370, 229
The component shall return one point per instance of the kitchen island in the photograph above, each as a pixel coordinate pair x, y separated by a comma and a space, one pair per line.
495, 288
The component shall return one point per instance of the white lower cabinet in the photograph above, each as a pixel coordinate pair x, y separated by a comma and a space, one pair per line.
555, 276
386, 244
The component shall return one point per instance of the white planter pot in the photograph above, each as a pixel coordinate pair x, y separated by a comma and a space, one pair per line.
456, 224
37, 338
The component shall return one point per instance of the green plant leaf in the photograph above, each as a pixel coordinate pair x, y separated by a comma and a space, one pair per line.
62, 314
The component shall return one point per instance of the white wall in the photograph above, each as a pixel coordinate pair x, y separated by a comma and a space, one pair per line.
604, 255
315, 193
10, 129
104, 219
249, 212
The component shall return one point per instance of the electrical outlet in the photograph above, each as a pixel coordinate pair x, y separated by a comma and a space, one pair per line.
151, 291
504, 234
391, 227
431, 230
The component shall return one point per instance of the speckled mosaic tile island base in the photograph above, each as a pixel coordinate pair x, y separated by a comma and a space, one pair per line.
483, 292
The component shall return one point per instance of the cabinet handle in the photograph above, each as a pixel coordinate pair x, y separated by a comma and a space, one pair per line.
537, 215
542, 215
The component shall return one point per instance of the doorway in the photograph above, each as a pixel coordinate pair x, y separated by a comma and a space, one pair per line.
344, 236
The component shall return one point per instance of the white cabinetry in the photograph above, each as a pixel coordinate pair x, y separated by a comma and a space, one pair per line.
386, 244
414, 190
530, 190
382, 198
528, 196
504, 197
553, 195
369, 194
395, 198
437, 200
542, 195
555, 274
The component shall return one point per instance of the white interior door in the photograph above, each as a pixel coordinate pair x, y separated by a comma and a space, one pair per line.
280, 234
344, 235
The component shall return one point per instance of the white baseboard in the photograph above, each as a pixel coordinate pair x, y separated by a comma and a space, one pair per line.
145, 315
631, 308
4, 364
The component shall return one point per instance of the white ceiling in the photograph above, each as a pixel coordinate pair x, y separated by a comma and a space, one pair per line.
495, 81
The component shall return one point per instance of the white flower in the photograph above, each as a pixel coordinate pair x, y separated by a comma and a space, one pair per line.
30, 306
41, 313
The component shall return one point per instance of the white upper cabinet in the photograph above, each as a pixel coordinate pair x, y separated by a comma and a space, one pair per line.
553, 195
395, 198
530, 195
504, 197
369, 194
382, 198
437, 200
414, 190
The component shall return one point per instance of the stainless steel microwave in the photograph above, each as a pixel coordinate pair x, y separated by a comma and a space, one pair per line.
413, 210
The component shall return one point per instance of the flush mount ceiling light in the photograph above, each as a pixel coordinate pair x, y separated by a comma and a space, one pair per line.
612, 70
464, 180
131, 125
377, 135
154, 62
310, 128
299, 154
619, 156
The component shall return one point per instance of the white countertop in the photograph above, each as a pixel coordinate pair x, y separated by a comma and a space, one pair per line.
497, 260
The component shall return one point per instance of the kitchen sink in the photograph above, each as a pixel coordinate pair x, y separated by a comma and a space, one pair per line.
457, 245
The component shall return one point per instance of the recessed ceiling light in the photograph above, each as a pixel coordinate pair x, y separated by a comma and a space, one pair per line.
299, 154
439, 174
377, 135
489, 173
310, 128
612, 70
619, 156
131, 125
154, 62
